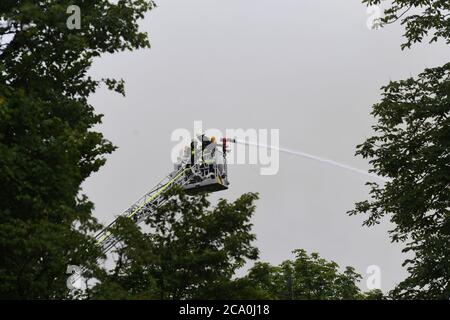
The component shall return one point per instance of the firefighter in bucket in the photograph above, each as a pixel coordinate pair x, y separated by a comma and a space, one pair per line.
209, 163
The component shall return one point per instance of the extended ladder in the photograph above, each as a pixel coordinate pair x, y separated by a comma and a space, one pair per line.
147, 204
196, 176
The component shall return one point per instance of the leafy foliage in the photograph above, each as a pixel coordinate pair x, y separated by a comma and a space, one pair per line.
191, 248
47, 145
307, 277
192, 251
419, 17
412, 146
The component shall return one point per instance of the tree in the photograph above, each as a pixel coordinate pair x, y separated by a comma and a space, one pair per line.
411, 146
191, 251
419, 17
307, 277
47, 145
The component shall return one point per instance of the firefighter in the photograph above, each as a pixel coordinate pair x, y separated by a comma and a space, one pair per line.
209, 154
193, 146
210, 148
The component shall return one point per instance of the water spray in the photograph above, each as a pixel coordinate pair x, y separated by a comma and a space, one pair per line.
309, 156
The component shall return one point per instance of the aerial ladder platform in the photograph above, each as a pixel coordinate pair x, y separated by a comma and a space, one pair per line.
202, 168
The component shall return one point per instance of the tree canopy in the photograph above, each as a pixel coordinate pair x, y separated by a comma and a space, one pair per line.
411, 146
193, 250
307, 277
420, 18
47, 143
190, 249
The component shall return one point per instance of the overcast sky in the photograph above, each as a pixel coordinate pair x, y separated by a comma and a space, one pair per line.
310, 68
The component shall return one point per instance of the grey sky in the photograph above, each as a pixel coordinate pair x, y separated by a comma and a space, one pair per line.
310, 68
